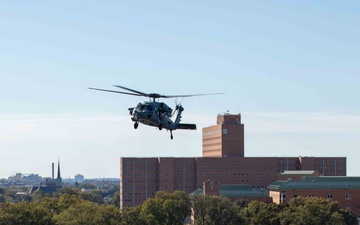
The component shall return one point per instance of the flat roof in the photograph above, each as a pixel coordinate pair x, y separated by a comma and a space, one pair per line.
237, 190
318, 183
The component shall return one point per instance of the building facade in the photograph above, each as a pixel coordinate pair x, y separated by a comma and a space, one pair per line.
345, 190
225, 139
223, 161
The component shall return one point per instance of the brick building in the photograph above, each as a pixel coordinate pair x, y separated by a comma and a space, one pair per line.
345, 190
223, 161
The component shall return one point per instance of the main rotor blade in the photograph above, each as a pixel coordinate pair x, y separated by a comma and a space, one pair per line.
119, 92
185, 96
138, 92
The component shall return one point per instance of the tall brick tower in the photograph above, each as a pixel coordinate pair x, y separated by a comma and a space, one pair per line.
226, 139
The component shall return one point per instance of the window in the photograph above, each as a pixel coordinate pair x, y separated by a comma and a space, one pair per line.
348, 197
283, 197
347, 206
330, 196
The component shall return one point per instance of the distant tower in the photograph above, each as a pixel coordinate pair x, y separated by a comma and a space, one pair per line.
58, 179
226, 139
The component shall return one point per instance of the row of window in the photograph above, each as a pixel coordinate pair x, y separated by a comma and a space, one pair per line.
149, 168
149, 162
211, 133
235, 174
292, 160
234, 168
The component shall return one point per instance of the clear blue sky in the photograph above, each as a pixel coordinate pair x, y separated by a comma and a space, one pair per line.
290, 67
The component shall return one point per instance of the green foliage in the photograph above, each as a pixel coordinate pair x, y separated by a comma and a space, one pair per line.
257, 213
11, 192
166, 208
2, 198
92, 196
131, 215
215, 210
88, 186
108, 215
315, 211
80, 213
241, 203
65, 201
299, 211
69, 191
173, 208
24, 213
116, 199
38, 195
115, 189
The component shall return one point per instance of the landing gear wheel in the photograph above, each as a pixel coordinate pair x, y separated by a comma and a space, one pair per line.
171, 136
160, 127
136, 125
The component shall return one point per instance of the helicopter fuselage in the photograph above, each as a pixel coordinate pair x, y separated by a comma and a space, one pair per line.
156, 114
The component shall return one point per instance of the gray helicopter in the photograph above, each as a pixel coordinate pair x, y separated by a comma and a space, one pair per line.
155, 113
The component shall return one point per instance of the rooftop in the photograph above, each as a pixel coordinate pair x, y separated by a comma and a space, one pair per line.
298, 172
320, 182
237, 190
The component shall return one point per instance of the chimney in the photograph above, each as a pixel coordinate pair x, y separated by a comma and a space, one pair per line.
52, 177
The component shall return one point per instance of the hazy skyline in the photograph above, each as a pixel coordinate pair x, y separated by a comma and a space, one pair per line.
291, 68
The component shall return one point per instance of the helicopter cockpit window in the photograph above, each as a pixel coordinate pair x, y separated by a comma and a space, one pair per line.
140, 106
149, 107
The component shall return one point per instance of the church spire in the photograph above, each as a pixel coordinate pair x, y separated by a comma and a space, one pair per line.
58, 179
58, 174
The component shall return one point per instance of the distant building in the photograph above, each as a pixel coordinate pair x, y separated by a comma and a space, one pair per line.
51, 185
17, 176
223, 162
79, 178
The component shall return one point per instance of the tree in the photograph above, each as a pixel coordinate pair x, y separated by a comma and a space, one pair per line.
2, 198
241, 203
88, 186
258, 213
65, 201
80, 213
38, 195
166, 208
69, 191
115, 189
215, 210
312, 210
93, 196
107, 215
24, 213
131, 215
116, 199
88, 213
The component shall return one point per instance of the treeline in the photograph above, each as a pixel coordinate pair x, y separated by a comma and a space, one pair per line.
173, 208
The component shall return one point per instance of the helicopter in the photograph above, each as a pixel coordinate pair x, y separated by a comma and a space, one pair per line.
155, 113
